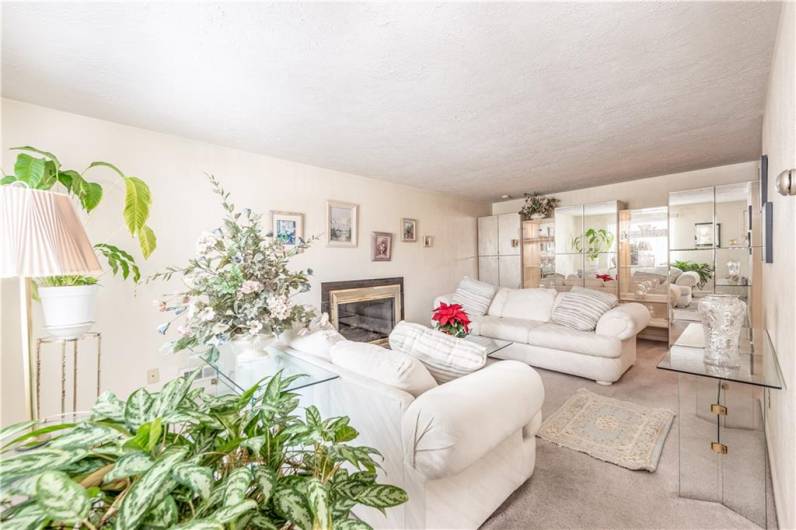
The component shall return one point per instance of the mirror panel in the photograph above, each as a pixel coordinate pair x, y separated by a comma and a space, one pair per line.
568, 228
691, 219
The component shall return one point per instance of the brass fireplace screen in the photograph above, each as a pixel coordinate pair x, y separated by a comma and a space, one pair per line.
364, 311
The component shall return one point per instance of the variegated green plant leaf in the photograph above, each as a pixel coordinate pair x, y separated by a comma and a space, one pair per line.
108, 406
352, 524
228, 514
318, 497
147, 240
193, 417
259, 520
291, 505
172, 394
238, 483
131, 464
138, 409
149, 490
198, 479
254, 443
200, 524
25, 518
164, 515
137, 201
85, 435
15, 428
266, 481
35, 462
23, 486
381, 496
61, 498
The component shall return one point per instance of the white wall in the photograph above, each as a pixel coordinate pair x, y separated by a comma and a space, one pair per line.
779, 282
648, 192
184, 206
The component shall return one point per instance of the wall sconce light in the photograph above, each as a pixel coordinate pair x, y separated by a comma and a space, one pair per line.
786, 182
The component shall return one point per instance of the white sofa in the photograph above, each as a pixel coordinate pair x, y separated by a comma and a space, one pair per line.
522, 316
458, 449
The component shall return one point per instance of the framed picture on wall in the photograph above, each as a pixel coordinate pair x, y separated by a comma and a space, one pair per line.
381, 246
288, 227
705, 236
408, 229
428, 241
342, 224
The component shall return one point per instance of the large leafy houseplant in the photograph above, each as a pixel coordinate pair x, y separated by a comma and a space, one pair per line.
593, 242
704, 270
237, 286
45, 172
184, 459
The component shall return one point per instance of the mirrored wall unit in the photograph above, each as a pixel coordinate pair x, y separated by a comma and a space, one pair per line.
586, 247
714, 246
644, 264
538, 251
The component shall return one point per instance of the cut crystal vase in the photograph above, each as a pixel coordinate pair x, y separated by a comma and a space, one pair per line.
722, 317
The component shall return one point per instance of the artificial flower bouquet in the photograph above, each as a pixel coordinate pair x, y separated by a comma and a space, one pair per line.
451, 319
238, 285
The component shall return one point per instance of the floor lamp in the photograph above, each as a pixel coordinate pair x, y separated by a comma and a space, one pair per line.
40, 235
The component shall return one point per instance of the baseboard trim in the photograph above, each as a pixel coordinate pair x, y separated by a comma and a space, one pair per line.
771, 462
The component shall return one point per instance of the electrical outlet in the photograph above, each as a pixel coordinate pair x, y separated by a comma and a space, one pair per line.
152, 376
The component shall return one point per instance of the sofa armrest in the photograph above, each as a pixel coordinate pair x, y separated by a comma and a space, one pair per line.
452, 426
624, 321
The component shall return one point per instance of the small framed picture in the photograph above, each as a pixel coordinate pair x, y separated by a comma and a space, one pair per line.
288, 227
342, 224
382, 246
705, 236
428, 241
408, 229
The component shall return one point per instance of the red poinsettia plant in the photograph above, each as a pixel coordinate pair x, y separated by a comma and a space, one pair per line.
604, 277
451, 319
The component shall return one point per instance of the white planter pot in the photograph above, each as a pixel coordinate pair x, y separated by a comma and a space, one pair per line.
69, 311
251, 358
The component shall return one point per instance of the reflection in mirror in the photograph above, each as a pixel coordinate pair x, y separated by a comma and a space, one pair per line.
691, 220
644, 250
732, 214
568, 227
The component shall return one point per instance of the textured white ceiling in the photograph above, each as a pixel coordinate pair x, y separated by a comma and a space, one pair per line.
480, 99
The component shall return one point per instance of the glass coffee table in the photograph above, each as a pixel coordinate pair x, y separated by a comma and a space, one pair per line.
493, 346
229, 374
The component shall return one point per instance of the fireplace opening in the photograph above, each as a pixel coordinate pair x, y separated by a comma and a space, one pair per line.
364, 310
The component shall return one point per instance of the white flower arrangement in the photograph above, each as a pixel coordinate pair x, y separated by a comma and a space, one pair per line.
238, 285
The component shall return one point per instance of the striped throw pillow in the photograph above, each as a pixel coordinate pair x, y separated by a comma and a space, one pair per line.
445, 357
474, 296
582, 308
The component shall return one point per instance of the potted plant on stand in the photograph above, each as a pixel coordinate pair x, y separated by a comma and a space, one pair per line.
592, 243
239, 288
69, 302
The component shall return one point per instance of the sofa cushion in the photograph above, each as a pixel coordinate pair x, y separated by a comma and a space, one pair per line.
512, 329
390, 367
445, 357
558, 337
527, 304
318, 343
582, 308
474, 296
453, 426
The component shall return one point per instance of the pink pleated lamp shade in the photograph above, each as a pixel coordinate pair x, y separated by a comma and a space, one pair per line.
41, 235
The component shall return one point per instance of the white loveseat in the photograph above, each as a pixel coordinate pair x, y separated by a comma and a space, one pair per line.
459, 449
522, 316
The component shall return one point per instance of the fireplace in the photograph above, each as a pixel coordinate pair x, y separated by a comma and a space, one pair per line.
364, 310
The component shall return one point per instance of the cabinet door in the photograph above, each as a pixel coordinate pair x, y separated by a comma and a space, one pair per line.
488, 269
488, 236
509, 233
510, 271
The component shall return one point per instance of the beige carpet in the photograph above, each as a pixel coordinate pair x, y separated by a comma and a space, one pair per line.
573, 490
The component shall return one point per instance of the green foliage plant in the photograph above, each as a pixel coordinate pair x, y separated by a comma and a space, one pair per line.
596, 241
45, 172
704, 270
184, 459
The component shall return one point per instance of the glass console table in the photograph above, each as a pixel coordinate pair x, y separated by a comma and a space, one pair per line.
492, 346
231, 375
721, 417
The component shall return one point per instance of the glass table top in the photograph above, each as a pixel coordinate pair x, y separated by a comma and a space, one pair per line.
492, 345
238, 373
759, 364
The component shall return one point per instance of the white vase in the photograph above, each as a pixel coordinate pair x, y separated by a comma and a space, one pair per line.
69, 311
722, 317
536, 216
248, 353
